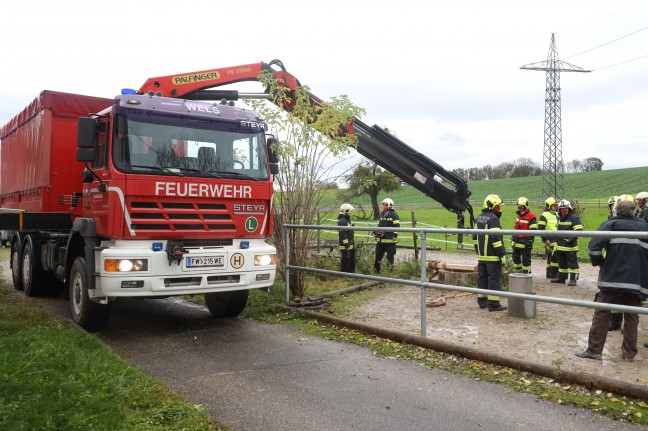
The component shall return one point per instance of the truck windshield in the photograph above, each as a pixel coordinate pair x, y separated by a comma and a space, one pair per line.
189, 148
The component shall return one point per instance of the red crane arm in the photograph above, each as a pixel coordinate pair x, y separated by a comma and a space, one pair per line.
182, 85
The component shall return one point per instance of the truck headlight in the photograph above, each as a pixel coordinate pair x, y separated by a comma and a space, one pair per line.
125, 265
265, 259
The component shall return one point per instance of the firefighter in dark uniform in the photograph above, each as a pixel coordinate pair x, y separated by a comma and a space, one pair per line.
549, 221
386, 241
616, 317
491, 254
567, 246
642, 208
346, 240
621, 280
523, 244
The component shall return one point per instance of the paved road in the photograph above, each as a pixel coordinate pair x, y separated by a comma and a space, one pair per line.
254, 376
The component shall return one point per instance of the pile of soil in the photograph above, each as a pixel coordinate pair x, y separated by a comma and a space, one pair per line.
551, 338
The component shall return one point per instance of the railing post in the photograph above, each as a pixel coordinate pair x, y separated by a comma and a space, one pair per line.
423, 280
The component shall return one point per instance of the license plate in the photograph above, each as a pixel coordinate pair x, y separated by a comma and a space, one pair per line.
194, 262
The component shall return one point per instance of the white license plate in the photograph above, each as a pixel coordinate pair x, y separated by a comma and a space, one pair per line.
194, 262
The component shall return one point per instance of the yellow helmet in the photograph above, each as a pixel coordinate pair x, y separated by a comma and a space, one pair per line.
623, 198
549, 203
612, 201
491, 202
522, 202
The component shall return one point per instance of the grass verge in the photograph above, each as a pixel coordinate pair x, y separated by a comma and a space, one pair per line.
54, 376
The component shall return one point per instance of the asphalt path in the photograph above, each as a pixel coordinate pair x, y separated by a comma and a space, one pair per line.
256, 376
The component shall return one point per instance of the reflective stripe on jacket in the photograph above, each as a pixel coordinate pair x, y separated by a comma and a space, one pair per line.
388, 219
346, 240
489, 246
569, 222
524, 221
548, 221
623, 261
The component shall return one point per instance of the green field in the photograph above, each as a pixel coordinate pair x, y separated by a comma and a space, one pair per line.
591, 187
588, 191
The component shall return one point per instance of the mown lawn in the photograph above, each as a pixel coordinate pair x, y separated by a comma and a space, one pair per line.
54, 376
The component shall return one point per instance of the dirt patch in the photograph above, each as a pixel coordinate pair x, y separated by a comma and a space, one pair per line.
552, 337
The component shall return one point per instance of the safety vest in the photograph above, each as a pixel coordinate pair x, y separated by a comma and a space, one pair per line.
548, 221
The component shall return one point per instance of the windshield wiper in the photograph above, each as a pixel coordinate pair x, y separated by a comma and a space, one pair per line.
241, 175
198, 171
164, 169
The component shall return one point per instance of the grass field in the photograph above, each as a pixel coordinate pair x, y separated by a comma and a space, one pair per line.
588, 191
55, 376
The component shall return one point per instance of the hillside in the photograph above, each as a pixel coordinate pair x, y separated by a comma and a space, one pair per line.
583, 186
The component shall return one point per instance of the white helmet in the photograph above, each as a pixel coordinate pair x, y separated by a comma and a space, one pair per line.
564, 204
346, 208
389, 202
641, 196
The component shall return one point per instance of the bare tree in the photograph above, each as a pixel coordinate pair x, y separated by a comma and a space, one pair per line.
307, 138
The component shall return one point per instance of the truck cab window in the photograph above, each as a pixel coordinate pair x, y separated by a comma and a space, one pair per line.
102, 144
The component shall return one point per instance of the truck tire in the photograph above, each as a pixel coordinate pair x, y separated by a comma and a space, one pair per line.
16, 266
86, 313
32, 272
226, 304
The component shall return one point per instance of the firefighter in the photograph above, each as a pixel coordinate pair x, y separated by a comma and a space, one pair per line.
617, 284
611, 203
616, 318
549, 221
567, 246
346, 241
386, 241
642, 209
491, 254
523, 244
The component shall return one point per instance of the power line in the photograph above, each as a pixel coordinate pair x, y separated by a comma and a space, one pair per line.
623, 62
603, 18
607, 43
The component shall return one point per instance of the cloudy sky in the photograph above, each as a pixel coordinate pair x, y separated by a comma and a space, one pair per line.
444, 75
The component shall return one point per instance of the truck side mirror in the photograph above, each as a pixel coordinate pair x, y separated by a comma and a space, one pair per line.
86, 133
272, 155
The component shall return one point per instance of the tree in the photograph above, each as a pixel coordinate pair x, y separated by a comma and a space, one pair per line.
307, 138
592, 164
368, 179
525, 167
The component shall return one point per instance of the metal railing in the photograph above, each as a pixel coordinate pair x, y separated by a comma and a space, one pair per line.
424, 284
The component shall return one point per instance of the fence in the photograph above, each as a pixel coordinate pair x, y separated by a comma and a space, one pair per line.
424, 284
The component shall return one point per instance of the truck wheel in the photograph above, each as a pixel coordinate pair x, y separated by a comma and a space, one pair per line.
86, 313
226, 304
32, 279
16, 266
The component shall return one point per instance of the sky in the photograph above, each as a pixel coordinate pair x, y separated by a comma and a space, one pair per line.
444, 76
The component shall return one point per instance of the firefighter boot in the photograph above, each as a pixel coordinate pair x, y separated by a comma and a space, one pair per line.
548, 273
572, 281
496, 307
482, 302
616, 319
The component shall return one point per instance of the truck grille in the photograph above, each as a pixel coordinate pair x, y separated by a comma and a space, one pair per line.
180, 216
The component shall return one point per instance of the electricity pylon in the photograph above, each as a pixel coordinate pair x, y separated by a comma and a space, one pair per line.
552, 163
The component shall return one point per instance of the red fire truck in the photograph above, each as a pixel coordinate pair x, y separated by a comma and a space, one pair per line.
141, 196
